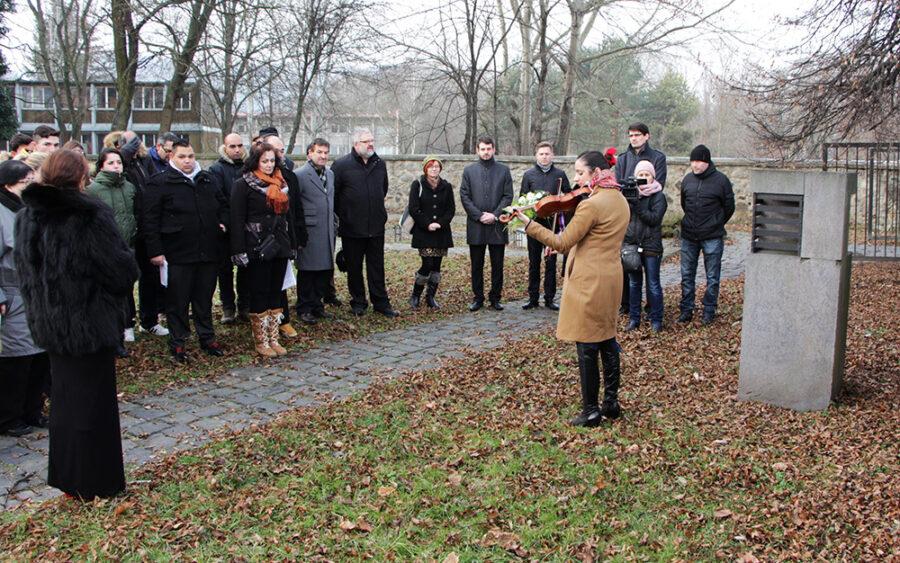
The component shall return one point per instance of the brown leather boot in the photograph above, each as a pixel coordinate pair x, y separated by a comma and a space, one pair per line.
259, 324
274, 319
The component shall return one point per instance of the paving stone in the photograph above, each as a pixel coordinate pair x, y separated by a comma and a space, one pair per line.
147, 428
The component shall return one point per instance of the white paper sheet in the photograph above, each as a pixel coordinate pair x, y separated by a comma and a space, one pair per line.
164, 274
290, 280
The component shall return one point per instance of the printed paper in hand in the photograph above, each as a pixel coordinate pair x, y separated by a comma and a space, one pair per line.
290, 280
164, 274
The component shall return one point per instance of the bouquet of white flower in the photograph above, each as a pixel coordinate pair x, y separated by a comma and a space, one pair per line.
526, 204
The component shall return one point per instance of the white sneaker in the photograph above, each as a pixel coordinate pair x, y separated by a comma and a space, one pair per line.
129, 335
158, 330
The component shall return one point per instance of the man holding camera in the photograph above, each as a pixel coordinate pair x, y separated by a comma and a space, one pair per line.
638, 149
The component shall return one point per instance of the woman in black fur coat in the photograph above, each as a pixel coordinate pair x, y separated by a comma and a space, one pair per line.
75, 270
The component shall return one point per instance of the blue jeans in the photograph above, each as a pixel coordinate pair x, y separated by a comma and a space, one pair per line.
650, 270
712, 261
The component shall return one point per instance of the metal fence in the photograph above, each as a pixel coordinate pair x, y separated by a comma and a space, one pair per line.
875, 209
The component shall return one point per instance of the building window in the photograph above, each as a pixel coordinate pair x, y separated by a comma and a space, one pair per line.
106, 97
184, 102
87, 141
149, 139
149, 97
36, 97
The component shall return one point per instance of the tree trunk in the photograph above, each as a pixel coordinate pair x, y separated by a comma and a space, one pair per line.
568, 104
125, 48
525, 17
537, 122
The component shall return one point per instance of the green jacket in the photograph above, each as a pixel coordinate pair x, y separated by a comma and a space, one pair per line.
118, 193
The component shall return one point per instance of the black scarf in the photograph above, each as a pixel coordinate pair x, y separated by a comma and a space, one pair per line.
10, 200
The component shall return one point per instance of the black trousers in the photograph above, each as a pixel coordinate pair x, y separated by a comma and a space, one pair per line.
372, 251
227, 284
85, 438
312, 288
23, 379
476, 256
129, 310
264, 280
535, 257
191, 285
151, 293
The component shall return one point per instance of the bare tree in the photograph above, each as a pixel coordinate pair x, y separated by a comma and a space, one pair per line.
63, 53
843, 81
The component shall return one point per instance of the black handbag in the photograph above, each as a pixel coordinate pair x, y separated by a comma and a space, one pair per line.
267, 249
631, 258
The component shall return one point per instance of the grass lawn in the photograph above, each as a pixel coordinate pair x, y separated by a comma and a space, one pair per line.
150, 367
474, 461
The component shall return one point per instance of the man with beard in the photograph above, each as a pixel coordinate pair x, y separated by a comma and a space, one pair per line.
224, 172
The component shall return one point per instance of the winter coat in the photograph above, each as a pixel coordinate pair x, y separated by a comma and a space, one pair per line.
182, 218
136, 172
75, 270
627, 161
645, 226
118, 193
552, 182
155, 164
486, 186
708, 203
359, 192
253, 219
592, 291
317, 199
435, 205
225, 172
15, 337
297, 213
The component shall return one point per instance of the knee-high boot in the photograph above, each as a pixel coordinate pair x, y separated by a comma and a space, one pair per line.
609, 355
590, 385
274, 320
418, 287
434, 280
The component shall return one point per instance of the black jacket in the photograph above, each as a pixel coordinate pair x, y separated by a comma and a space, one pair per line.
135, 170
75, 270
628, 160
553, 181
298, 220
252, 219
359, 192
433, 206
225, 172
182, 218
708, 203
645, 226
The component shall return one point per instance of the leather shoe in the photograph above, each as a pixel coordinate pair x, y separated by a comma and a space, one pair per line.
610, 410
632, 325
18, 430
589, 419
333, 301
476, 305
179, 355
358, 311
308, 318
213, 349
552, 306
656, 327
389, 313
708, 319
322, 315
530, 305
685, 317
495, 305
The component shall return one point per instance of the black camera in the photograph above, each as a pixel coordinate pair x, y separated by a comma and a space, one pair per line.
630, 187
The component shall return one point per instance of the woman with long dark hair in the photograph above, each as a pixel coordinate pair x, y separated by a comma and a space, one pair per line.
262, 240
24, 367
593, 283
75, 270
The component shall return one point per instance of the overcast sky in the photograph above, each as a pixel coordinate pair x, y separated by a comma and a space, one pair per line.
754, 20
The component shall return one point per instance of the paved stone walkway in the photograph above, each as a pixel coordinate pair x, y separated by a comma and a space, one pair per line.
186, 417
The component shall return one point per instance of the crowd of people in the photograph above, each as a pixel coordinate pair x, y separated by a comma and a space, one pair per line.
76, 236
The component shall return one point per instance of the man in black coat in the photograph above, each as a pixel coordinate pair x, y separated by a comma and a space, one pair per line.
486, 188
547, 178
225, 171
707, 199
638, 149
360, 186
185, 217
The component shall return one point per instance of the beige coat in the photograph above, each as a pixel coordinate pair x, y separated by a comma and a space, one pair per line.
593, 284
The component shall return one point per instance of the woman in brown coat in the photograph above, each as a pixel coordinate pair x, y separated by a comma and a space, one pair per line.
593, 283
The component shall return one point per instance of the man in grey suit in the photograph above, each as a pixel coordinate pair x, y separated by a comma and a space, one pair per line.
485, 190
315, 261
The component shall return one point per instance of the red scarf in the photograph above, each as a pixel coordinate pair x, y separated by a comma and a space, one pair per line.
275, 197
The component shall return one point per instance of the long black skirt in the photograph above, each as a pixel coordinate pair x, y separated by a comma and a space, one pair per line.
85, 438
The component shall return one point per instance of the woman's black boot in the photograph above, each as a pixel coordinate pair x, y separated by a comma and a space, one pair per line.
609, 355
418, 287
434, 280
590, 385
